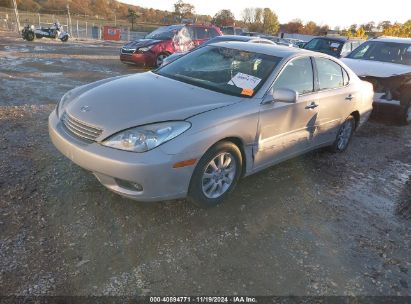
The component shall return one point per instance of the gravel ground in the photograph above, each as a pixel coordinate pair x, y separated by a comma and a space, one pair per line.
321, 224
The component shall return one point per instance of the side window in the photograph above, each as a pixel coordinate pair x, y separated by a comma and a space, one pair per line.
192, 33
346, 78
330, 74
297, 75
213, 33
346, 48
202, 33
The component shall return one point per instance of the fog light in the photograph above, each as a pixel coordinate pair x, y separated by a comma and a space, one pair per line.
129, 185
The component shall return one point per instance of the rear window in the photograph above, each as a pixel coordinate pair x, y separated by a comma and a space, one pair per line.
392, 52
327, 46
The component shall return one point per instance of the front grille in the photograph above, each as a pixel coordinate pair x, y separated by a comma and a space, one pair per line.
80, 129
127, 51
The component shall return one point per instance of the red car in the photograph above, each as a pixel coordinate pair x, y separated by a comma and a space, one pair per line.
164, 41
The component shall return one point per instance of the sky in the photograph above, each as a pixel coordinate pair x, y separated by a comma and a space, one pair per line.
341, 13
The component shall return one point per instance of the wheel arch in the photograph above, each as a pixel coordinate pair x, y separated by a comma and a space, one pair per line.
356, 115
240, 145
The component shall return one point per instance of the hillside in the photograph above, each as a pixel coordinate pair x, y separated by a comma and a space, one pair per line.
100, 9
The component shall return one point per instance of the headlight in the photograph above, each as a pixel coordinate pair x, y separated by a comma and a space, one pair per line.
145, 138
63, 102
146, 48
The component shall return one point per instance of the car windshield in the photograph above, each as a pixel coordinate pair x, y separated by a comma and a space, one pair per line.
163, 33
383, 51
226, 70
327, 46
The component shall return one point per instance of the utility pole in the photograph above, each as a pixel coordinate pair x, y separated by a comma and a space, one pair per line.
69, 18
16, 13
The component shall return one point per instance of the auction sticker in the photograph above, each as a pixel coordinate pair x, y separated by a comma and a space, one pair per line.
244, 81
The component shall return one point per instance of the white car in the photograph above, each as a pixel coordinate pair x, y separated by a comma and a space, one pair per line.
386, 63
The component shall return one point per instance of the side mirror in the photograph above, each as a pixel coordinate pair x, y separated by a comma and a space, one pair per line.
282, 95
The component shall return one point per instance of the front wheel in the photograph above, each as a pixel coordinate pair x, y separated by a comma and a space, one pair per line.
215, 175
344, 135
160, 58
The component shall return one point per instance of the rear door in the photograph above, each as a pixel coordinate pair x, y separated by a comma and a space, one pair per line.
288, 129
335, 98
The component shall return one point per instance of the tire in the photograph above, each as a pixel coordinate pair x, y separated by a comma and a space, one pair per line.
64, 39
344, 135
160, 58
406, 115
210, 187
30, 36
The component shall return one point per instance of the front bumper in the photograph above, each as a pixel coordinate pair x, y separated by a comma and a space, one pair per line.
142, 59
153, 170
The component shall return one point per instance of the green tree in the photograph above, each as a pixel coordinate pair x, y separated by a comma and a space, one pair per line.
132, 17
270, 22
224, 17
183, 9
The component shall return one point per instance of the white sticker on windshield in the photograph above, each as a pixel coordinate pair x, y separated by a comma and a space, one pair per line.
244, 81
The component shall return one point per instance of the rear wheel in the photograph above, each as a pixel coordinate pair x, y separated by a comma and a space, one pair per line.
344, 135
64, 38
30, 36
215, 175
160, 58
406, 116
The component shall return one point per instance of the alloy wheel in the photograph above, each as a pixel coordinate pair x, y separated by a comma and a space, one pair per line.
160, 59
345, 134
219, 174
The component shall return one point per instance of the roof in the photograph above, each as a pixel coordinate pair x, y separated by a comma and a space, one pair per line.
237, 38
268, 49
339, 38
392, 39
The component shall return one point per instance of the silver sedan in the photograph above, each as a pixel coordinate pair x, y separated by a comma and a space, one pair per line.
194, 127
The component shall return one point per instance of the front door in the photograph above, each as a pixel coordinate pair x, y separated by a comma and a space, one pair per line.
288, 129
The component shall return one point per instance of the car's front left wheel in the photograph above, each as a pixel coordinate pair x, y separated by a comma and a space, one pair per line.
160, 58
215, 175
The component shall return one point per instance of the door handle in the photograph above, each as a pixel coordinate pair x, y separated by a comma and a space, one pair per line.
349, 97
313, 105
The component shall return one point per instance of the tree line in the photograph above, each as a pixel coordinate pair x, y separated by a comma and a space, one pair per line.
262, 20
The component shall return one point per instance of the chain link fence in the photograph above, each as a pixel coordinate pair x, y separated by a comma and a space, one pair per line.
80, 27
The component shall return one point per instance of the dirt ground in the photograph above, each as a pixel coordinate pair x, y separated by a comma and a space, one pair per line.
321, 224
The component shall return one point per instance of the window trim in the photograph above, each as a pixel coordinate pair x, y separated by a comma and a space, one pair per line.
285, 66
318, 79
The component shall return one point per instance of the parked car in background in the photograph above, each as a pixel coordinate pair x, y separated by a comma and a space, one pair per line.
334, 46
279, 41
386, 63
195, 126
231, 30
251, 39
164, 41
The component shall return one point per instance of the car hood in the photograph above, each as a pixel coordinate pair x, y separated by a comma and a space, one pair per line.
141, 99
140, 43
376, 68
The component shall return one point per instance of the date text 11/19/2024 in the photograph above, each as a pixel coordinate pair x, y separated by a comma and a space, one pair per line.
204, 299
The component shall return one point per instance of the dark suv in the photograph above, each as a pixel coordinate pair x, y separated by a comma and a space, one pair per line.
164, 41
334, 46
